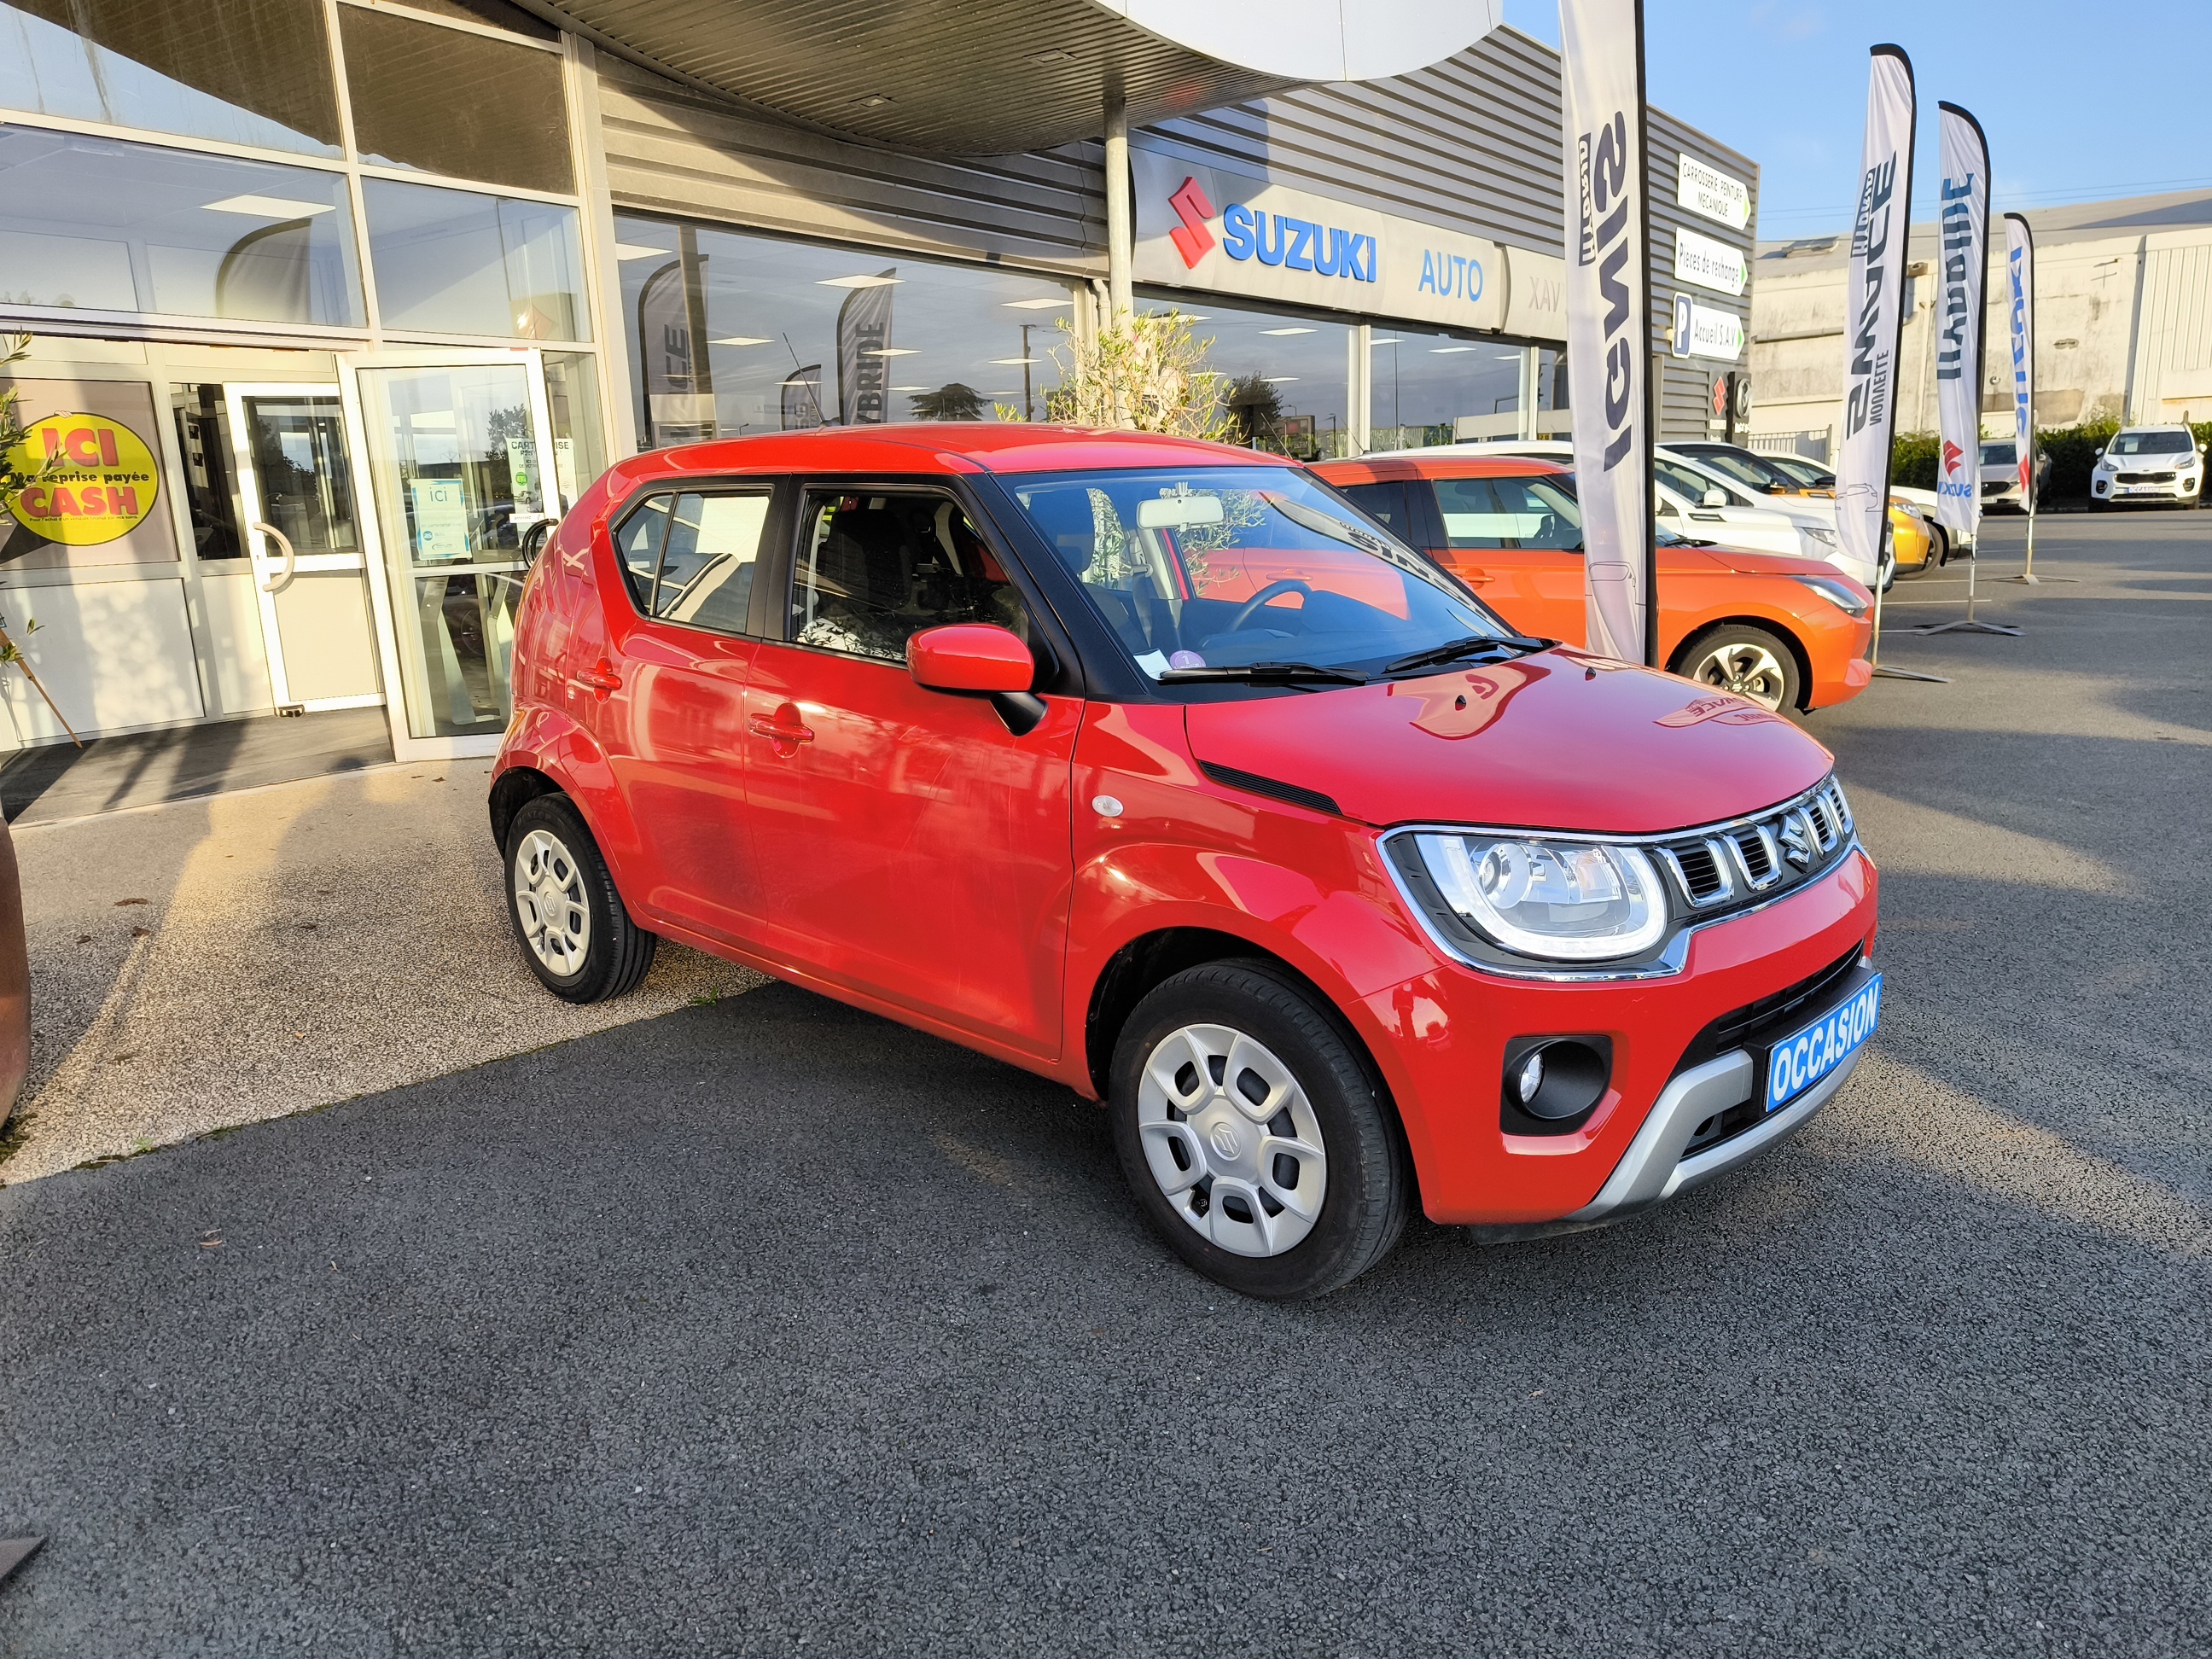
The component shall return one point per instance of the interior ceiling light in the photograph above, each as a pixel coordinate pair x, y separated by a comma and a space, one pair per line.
1057, 55
1036, 305
637, 250
1017, 362
1278, 380
892, 351
269, 207
857, 282
1446, 351
740, 339
1286, 330
1389, 340
909, 388
873, 100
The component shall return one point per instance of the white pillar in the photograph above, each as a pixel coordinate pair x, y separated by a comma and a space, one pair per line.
1120, 234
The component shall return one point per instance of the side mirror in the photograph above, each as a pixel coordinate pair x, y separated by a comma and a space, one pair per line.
1713, 498
969, 657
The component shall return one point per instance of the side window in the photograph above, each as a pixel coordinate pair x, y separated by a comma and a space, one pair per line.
638, 544
874, 570
707, 565
1473, 516
1385, 503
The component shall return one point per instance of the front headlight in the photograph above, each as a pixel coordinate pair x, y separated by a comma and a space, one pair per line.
1824, 539
1565, 901
1836, 594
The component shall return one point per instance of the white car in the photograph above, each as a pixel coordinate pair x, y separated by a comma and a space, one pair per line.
2148, 464
1769, 473
2001, 472
1706, 506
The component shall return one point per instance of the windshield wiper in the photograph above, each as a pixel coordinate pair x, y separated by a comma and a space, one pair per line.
1268, 673
1453, 650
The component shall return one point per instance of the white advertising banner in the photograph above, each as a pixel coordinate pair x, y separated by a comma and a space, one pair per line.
1964, 228
2019, 305
1229, 233
1708, 263
1874, 297
1608, 237
1708, 191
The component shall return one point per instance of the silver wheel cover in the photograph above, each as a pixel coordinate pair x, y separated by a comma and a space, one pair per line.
1223, 1123
1749, 671
549, 902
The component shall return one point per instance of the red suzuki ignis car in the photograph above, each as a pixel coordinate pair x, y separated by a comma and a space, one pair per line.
1158, 769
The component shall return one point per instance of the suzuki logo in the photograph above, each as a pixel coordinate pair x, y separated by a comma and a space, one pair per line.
1952, 454
1192, 239
1224, 1140
1800, 843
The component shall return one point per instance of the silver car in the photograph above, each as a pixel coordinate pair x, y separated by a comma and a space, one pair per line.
2000, 473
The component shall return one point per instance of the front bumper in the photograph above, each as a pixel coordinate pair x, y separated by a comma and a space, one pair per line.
1449, 1029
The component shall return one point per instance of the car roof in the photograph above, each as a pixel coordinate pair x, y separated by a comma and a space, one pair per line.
1376, 468
941, 447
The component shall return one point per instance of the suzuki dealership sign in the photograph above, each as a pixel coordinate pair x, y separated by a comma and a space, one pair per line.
1236, 234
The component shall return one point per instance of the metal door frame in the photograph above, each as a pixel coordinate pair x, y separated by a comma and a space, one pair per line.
257, 535
405, 745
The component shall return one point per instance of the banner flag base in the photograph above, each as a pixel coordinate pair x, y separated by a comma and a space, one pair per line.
1886, 674
2034, 580
1964, 625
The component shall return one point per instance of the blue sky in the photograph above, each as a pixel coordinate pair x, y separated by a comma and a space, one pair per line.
2075, 111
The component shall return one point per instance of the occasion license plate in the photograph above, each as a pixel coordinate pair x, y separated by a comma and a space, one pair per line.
1796, 1063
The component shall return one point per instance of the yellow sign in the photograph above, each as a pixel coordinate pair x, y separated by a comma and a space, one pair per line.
102, 487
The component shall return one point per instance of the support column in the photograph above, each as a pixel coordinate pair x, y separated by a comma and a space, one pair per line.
1528, 392
1359, 386
1120, 232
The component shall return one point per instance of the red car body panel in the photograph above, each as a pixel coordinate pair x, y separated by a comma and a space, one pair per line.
1540, 591
824, 818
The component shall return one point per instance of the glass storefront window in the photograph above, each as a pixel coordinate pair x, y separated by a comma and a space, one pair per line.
437, 100
455, 262
454, 461
100, 224
1421, 385
731, 333
1287, 379
240, 71
572, 401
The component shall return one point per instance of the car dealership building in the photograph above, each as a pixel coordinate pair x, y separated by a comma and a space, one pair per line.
332, 299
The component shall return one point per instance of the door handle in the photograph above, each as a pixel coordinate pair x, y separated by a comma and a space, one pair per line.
282, 579
599, 677
1476, 578
772, 727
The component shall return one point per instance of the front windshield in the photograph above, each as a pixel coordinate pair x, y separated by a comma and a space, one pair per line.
1743, 470
2152, 443
1222, 567
1806, 473
1999, 453
1685, 481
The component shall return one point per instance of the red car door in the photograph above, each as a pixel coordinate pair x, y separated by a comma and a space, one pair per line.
910, 844
674, 726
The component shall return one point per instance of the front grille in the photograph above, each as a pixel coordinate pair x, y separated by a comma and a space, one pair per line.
1769, 853
2146, 477
1750, 1023
1998, 488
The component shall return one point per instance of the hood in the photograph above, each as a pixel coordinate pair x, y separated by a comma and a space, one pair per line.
1744, 561
1557, 741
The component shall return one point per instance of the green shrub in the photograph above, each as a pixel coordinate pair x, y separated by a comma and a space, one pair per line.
1912, 457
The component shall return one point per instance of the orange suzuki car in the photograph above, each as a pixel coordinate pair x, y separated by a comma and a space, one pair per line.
1788, 633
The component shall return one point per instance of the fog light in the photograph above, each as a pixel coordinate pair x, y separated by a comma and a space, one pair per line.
1532, 1076
1551, 1084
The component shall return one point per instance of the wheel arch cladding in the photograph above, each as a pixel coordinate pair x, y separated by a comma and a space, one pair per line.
512, 790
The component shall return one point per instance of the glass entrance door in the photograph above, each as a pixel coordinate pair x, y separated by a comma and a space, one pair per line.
303, 534
454, 450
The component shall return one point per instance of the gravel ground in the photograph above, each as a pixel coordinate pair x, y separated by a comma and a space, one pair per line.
769, 1327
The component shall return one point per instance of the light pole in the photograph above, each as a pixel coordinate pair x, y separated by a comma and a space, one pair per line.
1028, 413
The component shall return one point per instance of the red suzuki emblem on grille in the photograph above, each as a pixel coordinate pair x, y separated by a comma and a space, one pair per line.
1192, 239
1950, 454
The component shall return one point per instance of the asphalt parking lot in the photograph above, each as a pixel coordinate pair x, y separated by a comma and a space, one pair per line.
766, 1326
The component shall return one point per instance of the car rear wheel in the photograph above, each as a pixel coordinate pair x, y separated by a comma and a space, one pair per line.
1748, 662
575, 932
1253, 1136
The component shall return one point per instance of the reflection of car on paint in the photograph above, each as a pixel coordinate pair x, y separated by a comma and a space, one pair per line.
2148, 464
2000, 473
1786, 634
1241, 816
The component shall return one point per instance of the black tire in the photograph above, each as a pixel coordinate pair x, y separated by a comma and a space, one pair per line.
1368, 1182
1939, 554
616, 951
1696, 660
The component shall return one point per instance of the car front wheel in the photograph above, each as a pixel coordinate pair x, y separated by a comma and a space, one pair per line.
575, 932
1748, 662
1253, 1136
